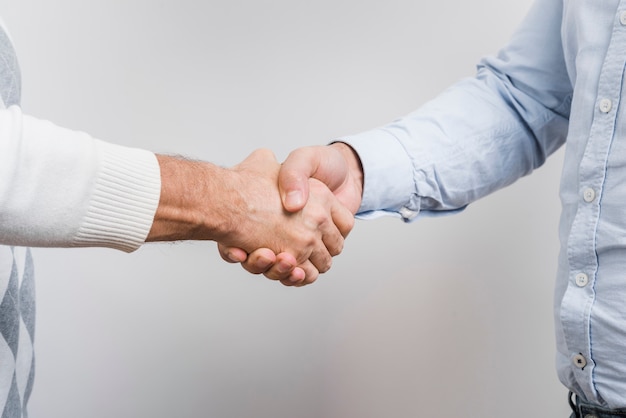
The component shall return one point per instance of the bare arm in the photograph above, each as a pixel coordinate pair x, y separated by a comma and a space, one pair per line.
241, 207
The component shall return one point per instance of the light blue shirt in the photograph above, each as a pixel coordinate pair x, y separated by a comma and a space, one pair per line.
559, 80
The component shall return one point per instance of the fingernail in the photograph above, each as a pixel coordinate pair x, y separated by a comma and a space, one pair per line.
232, 257
294, 199
284, 267
296, 281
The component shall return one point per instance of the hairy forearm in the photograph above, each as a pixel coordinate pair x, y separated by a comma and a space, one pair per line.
191, 206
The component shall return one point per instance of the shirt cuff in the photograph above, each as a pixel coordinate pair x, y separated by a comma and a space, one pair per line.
388, 185
124, 200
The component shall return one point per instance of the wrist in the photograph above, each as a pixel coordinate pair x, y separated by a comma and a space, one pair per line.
186, 206
353, 162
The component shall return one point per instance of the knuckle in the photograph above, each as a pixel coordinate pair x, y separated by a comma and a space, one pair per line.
310, 279
337, 248
270, 276
325, 265
310, 240
350, 224
251, 269
286, 282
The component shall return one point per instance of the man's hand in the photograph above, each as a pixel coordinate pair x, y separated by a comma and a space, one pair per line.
241, 207
338, 167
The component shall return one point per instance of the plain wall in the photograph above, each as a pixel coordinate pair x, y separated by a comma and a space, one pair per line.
447, 317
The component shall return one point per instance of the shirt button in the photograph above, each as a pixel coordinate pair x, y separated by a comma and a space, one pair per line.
582, 280
589, 195
605, 105
579, 361
622, 18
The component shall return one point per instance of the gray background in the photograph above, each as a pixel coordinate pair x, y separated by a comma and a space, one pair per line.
448, 317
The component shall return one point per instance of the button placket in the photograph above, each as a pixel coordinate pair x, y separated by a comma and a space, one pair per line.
576, 311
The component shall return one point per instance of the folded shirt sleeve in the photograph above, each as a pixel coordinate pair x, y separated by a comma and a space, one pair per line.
477, 136
63, 188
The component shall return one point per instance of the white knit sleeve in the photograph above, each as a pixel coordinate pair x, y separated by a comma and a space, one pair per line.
63, 188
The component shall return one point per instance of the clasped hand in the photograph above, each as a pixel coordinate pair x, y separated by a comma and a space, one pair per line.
291, 233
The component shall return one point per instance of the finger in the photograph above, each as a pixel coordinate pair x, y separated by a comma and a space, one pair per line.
283, 268
334, 233
232, 254
259, 261
342, 218
293, 179
333, 242
296, 277
337, 220
309, 275
324, 163
321, 258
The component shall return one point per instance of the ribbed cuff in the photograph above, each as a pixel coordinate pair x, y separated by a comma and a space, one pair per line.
124, 201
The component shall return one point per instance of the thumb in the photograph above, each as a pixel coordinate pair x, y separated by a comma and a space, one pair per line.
323, 163
293, 178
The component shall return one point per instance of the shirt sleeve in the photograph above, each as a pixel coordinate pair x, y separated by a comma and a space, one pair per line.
479, 135
63, 188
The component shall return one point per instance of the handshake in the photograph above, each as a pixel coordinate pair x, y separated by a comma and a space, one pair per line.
284, 221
